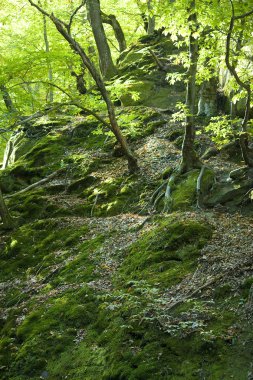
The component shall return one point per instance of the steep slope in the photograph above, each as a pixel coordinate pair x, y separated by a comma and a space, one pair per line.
130, 296
104, 279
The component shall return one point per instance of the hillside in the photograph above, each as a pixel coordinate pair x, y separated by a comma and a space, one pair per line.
106, 276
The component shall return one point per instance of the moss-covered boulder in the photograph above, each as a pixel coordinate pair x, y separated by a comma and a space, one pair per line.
153, 90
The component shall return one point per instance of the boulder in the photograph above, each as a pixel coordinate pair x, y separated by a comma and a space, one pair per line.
232, 192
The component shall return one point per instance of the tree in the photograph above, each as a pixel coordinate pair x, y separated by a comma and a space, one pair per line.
7, 100
189, 157
64, 30
107, 67
119, 34
244, 84
147, 15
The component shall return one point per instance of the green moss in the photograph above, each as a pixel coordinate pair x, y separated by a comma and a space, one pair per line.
184, 189
245, 287
167, 253
222, 291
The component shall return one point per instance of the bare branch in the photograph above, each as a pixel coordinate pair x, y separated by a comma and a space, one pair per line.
41, 10
244, 15
73, 15
73, 102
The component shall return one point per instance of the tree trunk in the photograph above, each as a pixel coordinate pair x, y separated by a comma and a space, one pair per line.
119, 34
107, 67
189, 156
7, 99
64, 30
49, 67
151, 19
243, 139
5, 215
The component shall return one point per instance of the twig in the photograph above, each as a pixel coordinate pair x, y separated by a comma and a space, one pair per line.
73, 15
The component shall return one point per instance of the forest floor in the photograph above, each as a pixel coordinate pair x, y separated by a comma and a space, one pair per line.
205, 301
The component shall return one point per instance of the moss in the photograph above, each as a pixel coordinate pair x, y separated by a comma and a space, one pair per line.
112, 196
222, 291
245, 287
167, 253
167, 172
184, 193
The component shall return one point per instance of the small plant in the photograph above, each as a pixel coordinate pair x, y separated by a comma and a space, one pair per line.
222, 129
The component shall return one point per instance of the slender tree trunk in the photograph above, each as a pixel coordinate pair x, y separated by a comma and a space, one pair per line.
132, 162
64, 30
119, 34
4, 213
50, 70
151, 18
7, 99
189, 157
243, 139
107, 67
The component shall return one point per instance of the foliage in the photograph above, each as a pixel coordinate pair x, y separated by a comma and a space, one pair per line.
223, 129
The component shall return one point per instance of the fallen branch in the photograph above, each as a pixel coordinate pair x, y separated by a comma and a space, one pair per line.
36, 184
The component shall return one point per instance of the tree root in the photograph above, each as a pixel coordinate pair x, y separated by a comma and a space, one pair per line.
94, 205
199, 188
167, 195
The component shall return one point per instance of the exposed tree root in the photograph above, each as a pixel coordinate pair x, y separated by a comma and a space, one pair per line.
167, 195
94, 205
199, 188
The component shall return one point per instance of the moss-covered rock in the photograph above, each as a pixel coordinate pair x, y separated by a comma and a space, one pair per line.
153, 90
167, 253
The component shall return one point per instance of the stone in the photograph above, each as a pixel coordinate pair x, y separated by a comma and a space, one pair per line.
210, 152
81, 184
242, 173
222, 193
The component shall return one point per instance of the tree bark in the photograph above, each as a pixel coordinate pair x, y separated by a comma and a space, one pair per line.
107, 67
64, 30
119, 34
151, 19
7, 99
243, 139
50, 70
189, 156
5, 215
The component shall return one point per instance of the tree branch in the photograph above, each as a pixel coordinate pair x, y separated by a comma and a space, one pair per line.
73, 15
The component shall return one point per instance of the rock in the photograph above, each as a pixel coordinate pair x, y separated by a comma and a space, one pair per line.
210, 152
167, 172
233, 192
153, 90
172, 136
44, 375
232, 150
81, 184
16, 147
179, 141
242, 173
117, 151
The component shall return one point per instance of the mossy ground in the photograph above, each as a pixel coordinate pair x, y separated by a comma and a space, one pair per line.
59, 325
86, 289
